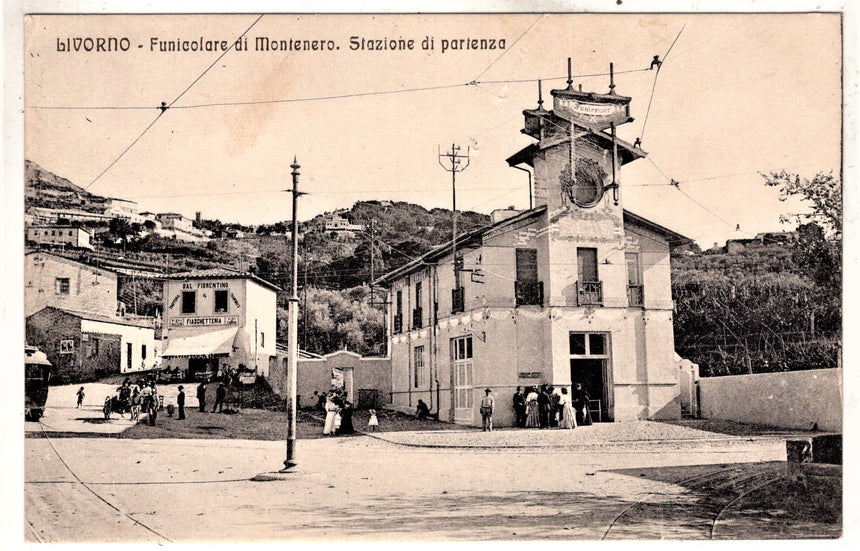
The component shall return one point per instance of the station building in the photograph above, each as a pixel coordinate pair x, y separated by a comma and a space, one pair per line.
218, 320
576, 289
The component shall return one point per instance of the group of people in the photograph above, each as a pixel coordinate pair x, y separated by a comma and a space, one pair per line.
338, 412
220, 396
131, 397
550, 407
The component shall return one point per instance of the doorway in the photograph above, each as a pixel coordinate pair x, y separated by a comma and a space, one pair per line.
590, 365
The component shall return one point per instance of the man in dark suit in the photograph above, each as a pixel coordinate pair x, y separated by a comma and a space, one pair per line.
180, 402
520, 407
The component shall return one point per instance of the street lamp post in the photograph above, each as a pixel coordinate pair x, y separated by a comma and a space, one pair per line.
292, 336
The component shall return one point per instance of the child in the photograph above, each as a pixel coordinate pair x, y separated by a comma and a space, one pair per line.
80, 397
373, 422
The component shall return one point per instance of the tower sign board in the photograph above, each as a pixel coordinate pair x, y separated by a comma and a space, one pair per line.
598, 111
600, 115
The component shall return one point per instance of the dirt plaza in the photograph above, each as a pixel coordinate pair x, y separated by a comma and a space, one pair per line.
636, 480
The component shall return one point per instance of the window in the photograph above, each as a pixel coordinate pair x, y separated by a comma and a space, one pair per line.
62, 285
589, 289
94, 347
128, 352
634, 280
418, 294
70, 233
527, 289
419, 375
461, 363
586, 264
189, 302
220, 301
588, 344
398, 316
262, 339
142, 351
417, 312
53, 233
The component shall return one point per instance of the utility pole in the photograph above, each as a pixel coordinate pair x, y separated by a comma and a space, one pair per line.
292, 337
372, 303
456, 161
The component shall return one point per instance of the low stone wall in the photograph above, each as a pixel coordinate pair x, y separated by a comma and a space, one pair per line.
794, 399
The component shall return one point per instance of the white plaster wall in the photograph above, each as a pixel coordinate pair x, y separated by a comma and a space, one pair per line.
137, 336
794, 399
261, 305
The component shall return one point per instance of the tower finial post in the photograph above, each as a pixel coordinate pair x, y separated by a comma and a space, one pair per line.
611, 78
569, 74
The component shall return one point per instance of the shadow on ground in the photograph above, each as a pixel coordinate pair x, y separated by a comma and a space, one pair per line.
736, 501
731, 428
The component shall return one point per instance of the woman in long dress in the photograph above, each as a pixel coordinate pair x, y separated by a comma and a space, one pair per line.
532, 411
568, 418
330, 413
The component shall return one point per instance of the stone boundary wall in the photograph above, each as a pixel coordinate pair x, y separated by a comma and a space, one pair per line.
793, 399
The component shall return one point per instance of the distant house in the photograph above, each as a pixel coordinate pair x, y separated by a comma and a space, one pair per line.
52, 280
336, 223
175, 221
84, 345
123, 208
54, 235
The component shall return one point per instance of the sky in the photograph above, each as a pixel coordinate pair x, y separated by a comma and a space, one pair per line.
737, 94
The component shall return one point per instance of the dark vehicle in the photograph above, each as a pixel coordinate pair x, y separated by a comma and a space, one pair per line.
37, 371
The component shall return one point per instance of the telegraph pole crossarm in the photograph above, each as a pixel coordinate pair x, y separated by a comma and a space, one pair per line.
455, 160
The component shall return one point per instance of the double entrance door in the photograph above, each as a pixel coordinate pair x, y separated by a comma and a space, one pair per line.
590, 365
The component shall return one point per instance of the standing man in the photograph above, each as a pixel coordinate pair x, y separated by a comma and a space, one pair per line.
544, 404
520, 407
487, 406
220, 394
201, 396
180, 401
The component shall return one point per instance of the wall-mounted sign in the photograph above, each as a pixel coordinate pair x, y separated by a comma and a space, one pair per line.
530, 375
67, 346
203, 321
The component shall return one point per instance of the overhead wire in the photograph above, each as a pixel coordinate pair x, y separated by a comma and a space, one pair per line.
654, 85
535, 22
163, 109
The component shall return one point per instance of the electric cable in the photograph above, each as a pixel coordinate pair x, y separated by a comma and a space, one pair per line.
164, 107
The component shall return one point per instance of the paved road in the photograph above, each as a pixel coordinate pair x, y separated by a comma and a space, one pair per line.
110, 490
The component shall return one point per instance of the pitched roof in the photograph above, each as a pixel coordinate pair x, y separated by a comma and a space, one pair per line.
110, 271
93, 316
673, 238
222, 273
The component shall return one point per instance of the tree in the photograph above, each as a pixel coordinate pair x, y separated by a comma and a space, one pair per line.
823, 192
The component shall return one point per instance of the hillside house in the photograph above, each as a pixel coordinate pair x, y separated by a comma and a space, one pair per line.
62, 236
52, 280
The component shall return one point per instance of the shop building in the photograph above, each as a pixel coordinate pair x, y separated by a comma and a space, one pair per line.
218, 320
574, 290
